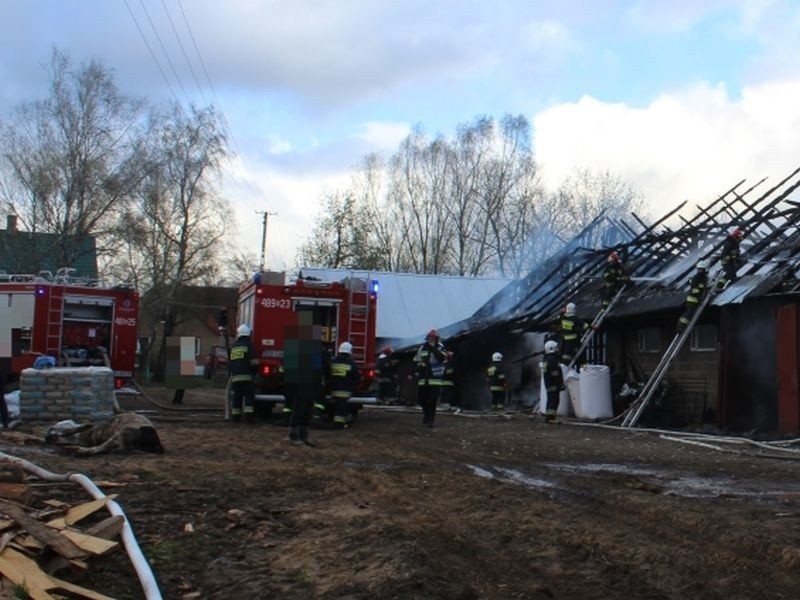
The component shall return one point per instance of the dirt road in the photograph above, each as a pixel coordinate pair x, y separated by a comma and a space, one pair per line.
478, 507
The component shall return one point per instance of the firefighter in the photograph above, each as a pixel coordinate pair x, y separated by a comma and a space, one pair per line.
429, 368
243, 365
553, 380
448, 391
385, 370
343, 377
697, 289
731, 258
570, 328
614, 278
497, 382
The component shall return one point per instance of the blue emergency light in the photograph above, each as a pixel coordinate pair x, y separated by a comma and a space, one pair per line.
374, 287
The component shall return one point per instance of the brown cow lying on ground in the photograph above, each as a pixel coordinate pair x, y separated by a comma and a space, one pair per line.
121, 433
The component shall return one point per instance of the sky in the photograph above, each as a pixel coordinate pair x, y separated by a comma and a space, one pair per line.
680, 98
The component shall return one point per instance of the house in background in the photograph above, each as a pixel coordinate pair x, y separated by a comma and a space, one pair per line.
197, 311
26, 252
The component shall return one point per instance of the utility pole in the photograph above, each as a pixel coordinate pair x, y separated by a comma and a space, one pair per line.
264, 222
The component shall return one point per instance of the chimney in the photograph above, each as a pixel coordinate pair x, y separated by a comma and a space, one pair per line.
11, 222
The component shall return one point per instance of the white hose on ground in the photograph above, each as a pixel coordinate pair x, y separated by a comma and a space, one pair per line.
694, 443
140, 564
774, 445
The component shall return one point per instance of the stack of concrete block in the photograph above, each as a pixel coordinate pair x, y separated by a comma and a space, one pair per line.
77, 393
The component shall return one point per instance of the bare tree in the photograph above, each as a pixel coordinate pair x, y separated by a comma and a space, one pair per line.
70, 162
177, 224
469, 206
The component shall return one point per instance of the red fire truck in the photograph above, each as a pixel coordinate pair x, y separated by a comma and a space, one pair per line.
344, 310
76, 321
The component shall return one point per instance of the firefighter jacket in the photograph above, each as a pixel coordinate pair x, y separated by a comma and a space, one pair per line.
243, 361
429, 364
448, 374
496, 379
731, 252
571, 328
614, 276
697, 287
384, 368
553, 376
343, 376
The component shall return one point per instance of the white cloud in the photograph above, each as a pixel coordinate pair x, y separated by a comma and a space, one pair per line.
690, 144
384, 135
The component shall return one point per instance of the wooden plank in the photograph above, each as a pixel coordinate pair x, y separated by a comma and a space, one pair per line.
6, 524
41, 532
18, 492
80, 512
82, 592
23, 578
106, 529
30, 542
34, 575
89, 543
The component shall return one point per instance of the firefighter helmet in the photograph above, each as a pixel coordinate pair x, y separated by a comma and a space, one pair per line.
497, 357
432, 333
736, 233
613, 257
243, 330
569, 310
702, 265
345, 348
550, 347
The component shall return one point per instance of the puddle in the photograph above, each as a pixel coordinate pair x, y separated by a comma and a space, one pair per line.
684, 485
511, 476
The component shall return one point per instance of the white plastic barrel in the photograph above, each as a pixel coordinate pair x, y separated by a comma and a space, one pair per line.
563, 397
572, 381
595, 392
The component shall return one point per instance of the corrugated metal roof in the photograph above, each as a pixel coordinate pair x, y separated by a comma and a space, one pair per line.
409, 304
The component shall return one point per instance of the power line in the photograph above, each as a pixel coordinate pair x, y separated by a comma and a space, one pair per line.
152, 54
254, 191
164, 50
183, 50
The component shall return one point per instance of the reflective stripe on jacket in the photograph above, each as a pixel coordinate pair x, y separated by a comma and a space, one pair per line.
496, 379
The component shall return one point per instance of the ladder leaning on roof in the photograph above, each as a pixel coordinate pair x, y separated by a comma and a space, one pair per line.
594, 326
637, 408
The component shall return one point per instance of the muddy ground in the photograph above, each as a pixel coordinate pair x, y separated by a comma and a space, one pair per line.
478, 507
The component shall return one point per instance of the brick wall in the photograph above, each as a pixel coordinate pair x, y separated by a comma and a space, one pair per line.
74, 393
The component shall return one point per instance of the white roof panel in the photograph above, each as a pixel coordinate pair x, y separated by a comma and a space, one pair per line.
409, 304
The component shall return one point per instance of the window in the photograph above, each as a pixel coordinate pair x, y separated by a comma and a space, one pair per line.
649, 340
704, 338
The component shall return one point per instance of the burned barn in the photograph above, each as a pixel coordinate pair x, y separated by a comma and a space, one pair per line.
736, 367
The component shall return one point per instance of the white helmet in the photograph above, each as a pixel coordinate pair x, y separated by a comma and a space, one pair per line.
497, 357
569, 311
345, 348
550, 347
702, 265
243, 330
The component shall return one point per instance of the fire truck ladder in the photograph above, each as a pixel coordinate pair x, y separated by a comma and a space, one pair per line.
595, 325
637, 408
55, 319
358, 319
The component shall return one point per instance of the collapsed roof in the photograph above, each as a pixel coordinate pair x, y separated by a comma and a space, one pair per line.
661, 259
